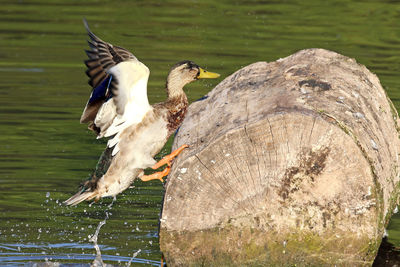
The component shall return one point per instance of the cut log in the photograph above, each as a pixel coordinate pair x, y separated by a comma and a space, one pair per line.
290, 162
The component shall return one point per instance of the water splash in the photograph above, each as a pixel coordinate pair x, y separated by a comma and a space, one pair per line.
112, 202
133, 256
98, 261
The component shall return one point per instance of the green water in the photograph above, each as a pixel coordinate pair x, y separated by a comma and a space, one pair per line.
45, 152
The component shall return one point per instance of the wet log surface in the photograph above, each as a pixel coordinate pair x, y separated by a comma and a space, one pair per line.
290, 162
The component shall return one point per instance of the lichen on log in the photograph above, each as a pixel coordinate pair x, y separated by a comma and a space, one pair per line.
290, 162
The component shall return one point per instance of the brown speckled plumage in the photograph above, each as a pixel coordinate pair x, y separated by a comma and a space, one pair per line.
176, 108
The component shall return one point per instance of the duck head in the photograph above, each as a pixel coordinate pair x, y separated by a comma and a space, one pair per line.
185, 72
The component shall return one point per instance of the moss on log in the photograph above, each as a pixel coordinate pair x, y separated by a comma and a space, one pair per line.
290, 162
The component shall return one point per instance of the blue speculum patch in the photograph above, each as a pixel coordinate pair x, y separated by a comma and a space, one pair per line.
100, 92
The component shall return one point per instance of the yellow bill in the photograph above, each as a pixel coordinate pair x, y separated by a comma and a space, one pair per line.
207, 75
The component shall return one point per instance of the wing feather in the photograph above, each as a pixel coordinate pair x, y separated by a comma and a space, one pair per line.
101, 57
119, 95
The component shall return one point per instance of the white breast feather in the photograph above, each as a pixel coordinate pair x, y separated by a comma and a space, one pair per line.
139, 151
148, 142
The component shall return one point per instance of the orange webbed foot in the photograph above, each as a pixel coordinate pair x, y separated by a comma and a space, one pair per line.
156, 175
165, 160
168, 158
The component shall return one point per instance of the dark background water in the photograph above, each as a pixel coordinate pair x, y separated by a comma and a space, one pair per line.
45, 152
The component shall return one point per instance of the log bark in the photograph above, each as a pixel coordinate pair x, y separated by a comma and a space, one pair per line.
290, 162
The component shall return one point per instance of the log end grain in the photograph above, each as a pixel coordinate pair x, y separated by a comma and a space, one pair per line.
294, 161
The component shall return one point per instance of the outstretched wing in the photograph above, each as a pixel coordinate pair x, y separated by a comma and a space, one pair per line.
101, 57
129, 103
119, 95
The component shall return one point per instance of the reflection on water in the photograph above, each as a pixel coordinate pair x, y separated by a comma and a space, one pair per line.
16, 258
45, 153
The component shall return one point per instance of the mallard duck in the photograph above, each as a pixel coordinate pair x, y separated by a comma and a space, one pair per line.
118, 108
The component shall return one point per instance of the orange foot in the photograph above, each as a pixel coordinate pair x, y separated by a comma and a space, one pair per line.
156, 175
165, 160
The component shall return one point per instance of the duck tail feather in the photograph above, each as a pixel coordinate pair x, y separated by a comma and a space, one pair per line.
79, 197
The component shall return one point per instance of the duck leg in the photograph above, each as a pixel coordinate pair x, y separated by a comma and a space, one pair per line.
168, 158
165, 160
